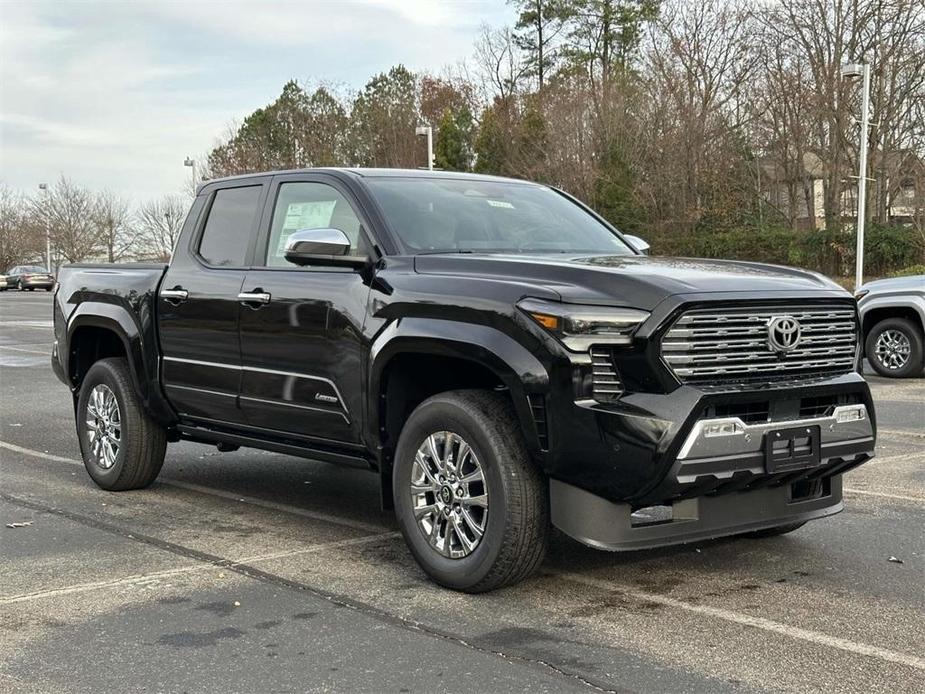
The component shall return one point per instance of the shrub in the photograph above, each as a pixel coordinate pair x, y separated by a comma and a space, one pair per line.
888, 248
908, 271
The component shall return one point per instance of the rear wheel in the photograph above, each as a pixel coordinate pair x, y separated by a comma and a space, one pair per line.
894, 348
471, 504
122, 447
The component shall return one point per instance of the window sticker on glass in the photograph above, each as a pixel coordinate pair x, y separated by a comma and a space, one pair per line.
500, 203
305, 215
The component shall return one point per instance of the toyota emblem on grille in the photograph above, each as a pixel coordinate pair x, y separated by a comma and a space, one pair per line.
783, 333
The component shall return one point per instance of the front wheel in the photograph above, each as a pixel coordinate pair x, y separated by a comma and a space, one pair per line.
470, 502
122, 447
894, 348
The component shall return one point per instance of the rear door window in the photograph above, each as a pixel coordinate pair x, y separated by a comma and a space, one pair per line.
230, 226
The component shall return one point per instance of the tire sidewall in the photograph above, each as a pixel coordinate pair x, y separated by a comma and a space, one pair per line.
101, 372
429, 418
913, 366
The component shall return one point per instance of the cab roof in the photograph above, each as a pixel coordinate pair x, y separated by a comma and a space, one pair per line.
360, 172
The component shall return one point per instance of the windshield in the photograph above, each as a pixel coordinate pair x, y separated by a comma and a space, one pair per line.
34, 268
461, 215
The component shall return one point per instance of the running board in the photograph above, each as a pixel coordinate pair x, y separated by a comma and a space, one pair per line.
204, 435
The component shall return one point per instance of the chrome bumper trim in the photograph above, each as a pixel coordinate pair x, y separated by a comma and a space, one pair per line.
749, 438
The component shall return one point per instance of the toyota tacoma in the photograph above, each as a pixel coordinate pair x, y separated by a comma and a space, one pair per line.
503, 358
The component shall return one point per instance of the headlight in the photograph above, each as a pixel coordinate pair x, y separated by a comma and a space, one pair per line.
579, 327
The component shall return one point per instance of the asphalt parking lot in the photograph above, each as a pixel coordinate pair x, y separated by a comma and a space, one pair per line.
251, 571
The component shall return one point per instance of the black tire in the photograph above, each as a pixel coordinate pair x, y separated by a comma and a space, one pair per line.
143, 442
517, 526
774, 532
911, 332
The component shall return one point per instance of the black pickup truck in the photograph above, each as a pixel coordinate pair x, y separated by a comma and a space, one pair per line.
500, 355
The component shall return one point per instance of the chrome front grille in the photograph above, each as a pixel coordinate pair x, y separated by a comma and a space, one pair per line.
720, 346
606, 381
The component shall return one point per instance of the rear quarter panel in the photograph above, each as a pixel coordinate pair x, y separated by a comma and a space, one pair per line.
119, 298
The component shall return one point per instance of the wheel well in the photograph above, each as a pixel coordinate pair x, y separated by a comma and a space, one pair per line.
409, 379
874, 316
88, 345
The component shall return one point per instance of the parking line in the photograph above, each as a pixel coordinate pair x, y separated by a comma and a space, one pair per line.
221, 493
169, 573
902, 432
30, 351
762, 623
885, 495
27, 323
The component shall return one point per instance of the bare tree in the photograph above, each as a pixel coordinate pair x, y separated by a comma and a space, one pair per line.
500, 66
68, 210
21, 234
159, 223
113, 220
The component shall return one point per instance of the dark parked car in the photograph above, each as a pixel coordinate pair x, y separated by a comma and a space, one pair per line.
495, 351
30, 277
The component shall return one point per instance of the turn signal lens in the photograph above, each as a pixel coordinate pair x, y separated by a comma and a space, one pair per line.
548, 322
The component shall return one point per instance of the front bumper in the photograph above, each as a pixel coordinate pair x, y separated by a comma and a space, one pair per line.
605, 525
702, 457
722, 447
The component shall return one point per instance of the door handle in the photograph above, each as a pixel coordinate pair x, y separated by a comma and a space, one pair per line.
175, 296
254, 299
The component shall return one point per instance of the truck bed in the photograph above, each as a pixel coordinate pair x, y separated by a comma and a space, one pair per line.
122, 297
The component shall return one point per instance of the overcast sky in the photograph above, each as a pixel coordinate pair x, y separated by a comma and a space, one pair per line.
115, 94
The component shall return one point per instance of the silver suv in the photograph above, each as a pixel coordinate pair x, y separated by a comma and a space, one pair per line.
892, 319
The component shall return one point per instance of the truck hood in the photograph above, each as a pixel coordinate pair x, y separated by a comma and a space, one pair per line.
638, 281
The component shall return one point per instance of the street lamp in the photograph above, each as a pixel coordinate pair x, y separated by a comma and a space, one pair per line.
192, 164
853, 71
429, 132
44, 188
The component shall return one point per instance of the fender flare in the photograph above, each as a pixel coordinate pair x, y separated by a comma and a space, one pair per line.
914, 304
514, 365
143, 369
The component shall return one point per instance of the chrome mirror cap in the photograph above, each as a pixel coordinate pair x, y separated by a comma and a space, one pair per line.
328, 247
639, 244
317, 242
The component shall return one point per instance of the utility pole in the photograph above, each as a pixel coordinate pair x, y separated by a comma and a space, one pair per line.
44, 188
861, 70
429, 132
190, 162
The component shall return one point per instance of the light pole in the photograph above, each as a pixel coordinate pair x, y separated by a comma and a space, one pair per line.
44, 188
429, 132
192, 164
852, 71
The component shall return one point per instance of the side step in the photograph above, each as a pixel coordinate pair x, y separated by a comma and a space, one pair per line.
226, 441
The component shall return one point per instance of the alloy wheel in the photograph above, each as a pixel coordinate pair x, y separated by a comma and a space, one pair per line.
104, 426
449, 495
893, 349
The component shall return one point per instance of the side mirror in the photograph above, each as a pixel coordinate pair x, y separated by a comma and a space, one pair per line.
639, 244
321, 247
